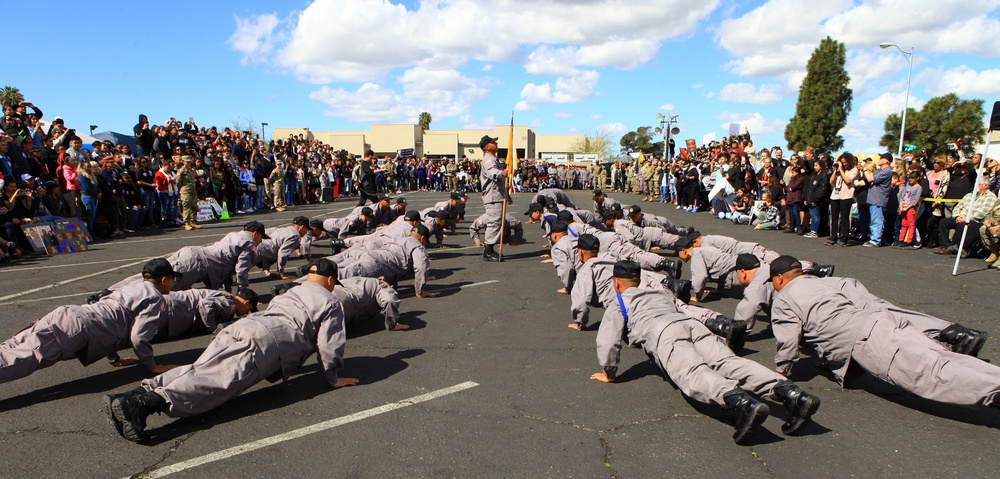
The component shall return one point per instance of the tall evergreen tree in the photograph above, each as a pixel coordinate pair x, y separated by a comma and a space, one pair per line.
824, 100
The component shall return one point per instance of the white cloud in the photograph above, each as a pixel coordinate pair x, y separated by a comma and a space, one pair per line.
523, 106
667, 107
485, 123
487, 67
755, 122
254, 36
961, 80
567, 90
563, 114
697, 86
747, 93
546, 60
861, 135
595, 116
614, 129
867, 65
890, 102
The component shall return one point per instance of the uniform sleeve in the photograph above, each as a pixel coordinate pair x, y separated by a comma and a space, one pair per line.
305, 245
388, 300
754, 296
699, 273
144, 329
243, 265
287, 248
330, 341
581, 296
421, 264
474, 230
564, 267
787, 329
212, 308
609, 341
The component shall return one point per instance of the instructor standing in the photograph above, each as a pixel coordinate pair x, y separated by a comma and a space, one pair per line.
494, 181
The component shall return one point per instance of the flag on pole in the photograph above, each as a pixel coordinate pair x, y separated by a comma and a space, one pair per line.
639, 161
511, 155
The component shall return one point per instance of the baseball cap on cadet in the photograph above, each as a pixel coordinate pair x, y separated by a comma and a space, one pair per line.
323, 267
366, 211
598, 193
747, 261
564, 216
300, 221
256, 227
533, 208
485, 140
383, 197
693, 235
251, 296
783, 264
634, 210
158, 268
412, 215
421, 230
316, 223
454, 196
627, 270
609, 215
684, 242
588, 243
616, 207
400, 201
559, 227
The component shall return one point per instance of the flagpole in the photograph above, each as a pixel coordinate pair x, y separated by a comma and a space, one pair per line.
972, 203
508, 181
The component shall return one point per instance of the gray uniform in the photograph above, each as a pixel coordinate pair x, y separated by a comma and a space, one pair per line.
279, 248
494, 192
809, 310
396, 256
662, 223
364, 298
708, 263
695, 359
756, 295
587, 217
399, 228
513, 229
603, 206
645, 237
566, 260
382, 216
214, 264
194, 310
556, 194
444, 209
595, 287
270, 344
88, 333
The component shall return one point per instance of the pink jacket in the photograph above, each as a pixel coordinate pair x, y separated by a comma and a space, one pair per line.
69, 174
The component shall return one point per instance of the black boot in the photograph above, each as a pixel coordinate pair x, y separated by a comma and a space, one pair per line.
131, 412
823, 270
734, 331
282, 288
799, 405
337, 245
963, 340
680, 287
109, 398
97, 296
489, 254
748, 411
670, 266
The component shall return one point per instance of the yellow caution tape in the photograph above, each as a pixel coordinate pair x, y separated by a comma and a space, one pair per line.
941, 200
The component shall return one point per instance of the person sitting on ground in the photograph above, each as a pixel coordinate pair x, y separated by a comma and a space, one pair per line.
985, 201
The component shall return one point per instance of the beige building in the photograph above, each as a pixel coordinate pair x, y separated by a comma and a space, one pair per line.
388, 139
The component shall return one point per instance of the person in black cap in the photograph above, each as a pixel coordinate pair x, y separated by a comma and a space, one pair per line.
554, 195
694, 358
95, 331
391, 258
602, 202
448, 210
513, 233
810, 311
400, 228
202, 310
280, 245
337, 229
537, 214
366, 179
493, 178
269, 344
644, 219
383, 212
645, 237
363, 299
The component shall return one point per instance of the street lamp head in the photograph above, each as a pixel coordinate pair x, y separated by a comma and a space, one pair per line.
673, 117
659, 117
658, 130
885, 45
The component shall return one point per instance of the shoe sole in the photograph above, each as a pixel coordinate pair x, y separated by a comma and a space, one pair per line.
759, 414
127, 431
808, 409
115, 422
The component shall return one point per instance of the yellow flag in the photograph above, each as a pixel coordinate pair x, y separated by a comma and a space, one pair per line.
511, 155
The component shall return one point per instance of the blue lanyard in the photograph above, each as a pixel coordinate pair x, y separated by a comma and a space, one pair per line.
621, 305
571, 232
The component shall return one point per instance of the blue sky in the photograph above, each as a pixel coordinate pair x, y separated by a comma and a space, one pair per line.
566, 66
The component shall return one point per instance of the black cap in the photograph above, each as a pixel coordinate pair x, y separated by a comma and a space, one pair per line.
300, 221
324, 267
887, 156
565, 215
598, 193
367, 211
609, 215
256, 227
533, 208
383, 197
454, 196
634, 210
693, 235
251, 296
316, 223
747, 261
463, 195
588, 242
627, 270
400, 201
559, 227
684, 242
431, 214
421, 230
616, 207
412, 215
550, 203
485, 140
158, 268
783, 264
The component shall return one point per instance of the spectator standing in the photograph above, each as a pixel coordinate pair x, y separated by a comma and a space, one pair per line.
818, 198
794, 199
90, 192
145, 178
143, 137
71, 186
878, 198
909, 201
841, 199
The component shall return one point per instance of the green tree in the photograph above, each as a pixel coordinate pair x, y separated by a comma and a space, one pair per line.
943, 120
639, 140
425, 121
10, 96
824, 100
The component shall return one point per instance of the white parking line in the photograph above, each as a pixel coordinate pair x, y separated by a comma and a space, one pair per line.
71, 280
70, 265
323, 426
47, 298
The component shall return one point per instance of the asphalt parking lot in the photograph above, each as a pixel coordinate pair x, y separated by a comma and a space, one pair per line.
490, 382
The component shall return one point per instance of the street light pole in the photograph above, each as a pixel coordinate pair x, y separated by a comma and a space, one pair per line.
666, 131
906, 102
262, 136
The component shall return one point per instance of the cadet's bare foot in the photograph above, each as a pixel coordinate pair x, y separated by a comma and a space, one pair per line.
601, 377
124, 362
400, 327
161, 368
561, 290
344, 382
574, 326
427, 295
